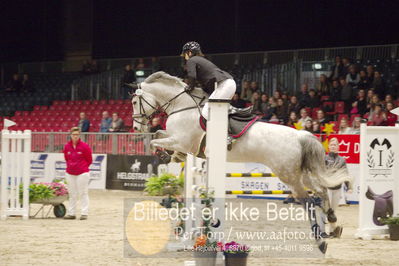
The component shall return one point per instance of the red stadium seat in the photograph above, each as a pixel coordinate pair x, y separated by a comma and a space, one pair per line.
329, 108
126, 107
325, 98
44, 107
339, 107
87, 102
118, 107
36, 108
336, 126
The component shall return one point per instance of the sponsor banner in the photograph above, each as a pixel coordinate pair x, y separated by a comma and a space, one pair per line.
349, 147
130, 172
379, 183
45, 167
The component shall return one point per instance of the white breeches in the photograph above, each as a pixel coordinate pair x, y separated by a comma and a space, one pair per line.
224, 90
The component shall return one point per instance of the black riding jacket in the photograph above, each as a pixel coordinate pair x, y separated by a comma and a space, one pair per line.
205, 72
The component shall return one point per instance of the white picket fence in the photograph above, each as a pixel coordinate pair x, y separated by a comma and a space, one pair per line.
15, 179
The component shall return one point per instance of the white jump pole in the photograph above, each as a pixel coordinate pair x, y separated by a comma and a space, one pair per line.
213, 177
216, 152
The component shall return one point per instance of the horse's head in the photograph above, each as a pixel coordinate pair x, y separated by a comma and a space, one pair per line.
144, 108
160, 92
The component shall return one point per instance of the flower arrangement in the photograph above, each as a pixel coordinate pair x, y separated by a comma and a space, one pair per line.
59, 188
41, 191
391, 220
165, 184
203, 244
235, 254
235, 248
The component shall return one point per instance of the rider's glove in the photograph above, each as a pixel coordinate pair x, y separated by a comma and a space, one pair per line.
190, 84
188, 88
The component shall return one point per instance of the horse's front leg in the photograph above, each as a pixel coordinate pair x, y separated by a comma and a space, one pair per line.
167, 143
161, 134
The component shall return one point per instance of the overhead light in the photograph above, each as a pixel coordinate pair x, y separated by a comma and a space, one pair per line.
139, 73
317, 66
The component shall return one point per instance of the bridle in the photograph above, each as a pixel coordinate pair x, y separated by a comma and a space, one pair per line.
155, 110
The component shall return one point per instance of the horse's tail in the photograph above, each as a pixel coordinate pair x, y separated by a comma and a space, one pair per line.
313, 163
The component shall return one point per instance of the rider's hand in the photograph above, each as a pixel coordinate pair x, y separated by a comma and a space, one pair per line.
188, 88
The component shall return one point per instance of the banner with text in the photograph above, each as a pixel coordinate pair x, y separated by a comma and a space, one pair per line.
130, 172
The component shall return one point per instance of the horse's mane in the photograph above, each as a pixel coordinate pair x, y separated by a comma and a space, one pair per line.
161, 76
170, 80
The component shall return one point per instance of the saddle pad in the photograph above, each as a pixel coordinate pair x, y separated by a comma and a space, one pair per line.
236, 127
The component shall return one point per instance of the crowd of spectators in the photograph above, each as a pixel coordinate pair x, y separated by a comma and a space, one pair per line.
19, 84
107, 124
362, 93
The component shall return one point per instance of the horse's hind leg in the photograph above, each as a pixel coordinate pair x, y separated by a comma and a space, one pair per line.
322, 193
309, 205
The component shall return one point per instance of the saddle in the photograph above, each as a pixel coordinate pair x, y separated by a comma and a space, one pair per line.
239, 121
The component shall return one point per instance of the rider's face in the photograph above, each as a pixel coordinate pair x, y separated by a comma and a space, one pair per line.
187, 55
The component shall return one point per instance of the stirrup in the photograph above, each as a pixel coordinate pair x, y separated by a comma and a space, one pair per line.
230, 141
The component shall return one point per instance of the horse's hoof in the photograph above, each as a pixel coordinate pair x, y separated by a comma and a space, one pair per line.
337, 232
331, 216
163, 156
323, 247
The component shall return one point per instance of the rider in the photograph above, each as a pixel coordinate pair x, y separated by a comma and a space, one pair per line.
217, 83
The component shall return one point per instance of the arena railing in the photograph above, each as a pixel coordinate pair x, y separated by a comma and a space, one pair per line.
247, 58
107, 143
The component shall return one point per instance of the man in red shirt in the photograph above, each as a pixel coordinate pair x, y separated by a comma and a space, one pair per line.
78, 157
